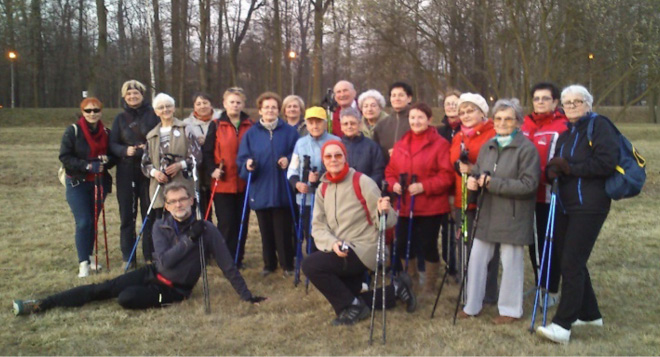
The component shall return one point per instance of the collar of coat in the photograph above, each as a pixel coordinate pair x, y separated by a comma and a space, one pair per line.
176, 124
517, 141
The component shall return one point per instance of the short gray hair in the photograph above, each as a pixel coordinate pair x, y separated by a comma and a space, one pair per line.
581, 90
350, 112
371, 93
176, 186
513, 103
163, 98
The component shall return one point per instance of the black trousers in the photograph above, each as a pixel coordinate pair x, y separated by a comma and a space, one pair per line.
340, 280
228, 211
132, 189
575, 236
542, 210
138, 289
424, 237
275, 227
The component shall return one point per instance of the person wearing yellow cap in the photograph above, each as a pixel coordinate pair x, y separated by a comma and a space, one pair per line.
316, 122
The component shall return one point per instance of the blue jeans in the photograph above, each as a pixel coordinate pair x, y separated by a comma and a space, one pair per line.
81, 200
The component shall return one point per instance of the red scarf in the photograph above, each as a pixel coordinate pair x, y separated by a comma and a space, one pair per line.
344, 171
543, 119
97, 142
204, 118
340, 176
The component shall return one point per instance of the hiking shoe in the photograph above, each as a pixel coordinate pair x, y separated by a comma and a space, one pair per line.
596, 322
26, 307
266, 272
83, 270
352, 314
403, 287
92, 266
554, 333
288, 273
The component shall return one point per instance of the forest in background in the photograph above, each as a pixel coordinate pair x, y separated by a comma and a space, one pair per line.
498, 48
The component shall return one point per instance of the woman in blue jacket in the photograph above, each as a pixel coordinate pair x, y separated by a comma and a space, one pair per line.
265, 152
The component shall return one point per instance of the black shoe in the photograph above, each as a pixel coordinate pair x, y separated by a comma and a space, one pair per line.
26, 307
352, 314
404, 291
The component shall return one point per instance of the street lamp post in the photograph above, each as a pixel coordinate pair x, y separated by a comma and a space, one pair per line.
591, 58
12, 57
292, 57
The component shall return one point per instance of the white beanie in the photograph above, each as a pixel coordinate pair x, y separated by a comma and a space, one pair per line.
475, 99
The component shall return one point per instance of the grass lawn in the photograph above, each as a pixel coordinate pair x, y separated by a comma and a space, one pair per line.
38, 257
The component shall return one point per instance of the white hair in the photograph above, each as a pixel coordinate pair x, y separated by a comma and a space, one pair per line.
350, 112
513, 103
371, 93
580, 90
162, 98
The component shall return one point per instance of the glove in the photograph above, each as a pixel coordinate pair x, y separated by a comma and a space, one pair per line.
561, 165
463, 157
256, 299
552, 172
197, 228
96, 167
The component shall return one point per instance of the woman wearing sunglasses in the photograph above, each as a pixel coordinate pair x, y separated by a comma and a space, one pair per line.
84, 155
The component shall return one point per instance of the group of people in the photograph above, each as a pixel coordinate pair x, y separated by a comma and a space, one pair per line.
316, 176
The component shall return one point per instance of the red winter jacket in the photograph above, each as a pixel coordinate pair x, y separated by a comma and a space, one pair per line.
431, 165
483, 132
543, 131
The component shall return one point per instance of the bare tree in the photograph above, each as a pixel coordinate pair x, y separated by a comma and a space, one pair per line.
236, 32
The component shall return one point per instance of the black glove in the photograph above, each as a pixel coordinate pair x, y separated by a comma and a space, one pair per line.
95, 167
197, 228
256, 299
464, 157
561, 165
552, 172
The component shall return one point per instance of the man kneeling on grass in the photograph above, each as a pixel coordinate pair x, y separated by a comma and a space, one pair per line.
174, 273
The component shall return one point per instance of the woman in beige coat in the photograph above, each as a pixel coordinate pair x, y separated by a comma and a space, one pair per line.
345, 231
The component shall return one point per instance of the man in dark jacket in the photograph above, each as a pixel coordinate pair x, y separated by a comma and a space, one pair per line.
176, 270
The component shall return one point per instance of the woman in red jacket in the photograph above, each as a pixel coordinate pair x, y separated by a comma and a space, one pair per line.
220, 150
476, 129
424, 153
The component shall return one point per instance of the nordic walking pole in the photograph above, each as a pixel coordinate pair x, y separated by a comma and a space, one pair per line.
312, 186
411, 215
215, 185
144, 223
380, 264
403, 178
300, 233
96, 221
245, 204
105, 229
548, 258
464, 158
290, 194
202, 255
444, 276
480, 201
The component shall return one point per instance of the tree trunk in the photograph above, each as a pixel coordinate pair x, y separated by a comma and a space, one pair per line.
160, 56
320, 8
204, 17
102, 46
176, 47
277, 48
37, 52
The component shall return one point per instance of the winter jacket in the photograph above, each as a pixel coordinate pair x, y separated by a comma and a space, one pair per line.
390, 130
446, 131
507, 213
367, 129
131, 128
267, 189
544, 135
177, 256
339, 215
365, 156
432, 167
483, 132
307, 145
221, 145
583, 190
74, 155
182, 144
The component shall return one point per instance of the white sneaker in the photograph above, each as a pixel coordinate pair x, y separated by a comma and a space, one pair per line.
596, 322
93, 266
554, 333
83, 271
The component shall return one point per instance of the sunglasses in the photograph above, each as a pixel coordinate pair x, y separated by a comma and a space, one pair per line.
95, 110
337, 156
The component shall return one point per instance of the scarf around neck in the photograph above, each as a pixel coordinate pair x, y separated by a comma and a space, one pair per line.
203, 118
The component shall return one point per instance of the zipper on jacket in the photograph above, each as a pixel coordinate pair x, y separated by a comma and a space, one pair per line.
579, 188
577, 135
336, 209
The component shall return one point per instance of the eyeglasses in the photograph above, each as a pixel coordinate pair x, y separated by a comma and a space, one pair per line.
541, 99
370, 106
166, 106
506, 120
349, 123
93, 110
574, 103
467, 112
179, 201
336, 156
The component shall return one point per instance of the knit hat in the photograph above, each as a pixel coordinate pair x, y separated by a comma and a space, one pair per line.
316, 112
475, 99
334, 142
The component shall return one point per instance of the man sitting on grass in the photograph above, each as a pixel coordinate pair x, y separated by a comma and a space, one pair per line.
174, 273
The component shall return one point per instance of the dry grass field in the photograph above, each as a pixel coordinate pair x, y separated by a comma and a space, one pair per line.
37, 257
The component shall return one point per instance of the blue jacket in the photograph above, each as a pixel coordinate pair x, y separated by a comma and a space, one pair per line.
365, 156
307, 145
267, 189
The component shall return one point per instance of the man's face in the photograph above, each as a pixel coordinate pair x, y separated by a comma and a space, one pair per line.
316, 126
344, 94
179, 204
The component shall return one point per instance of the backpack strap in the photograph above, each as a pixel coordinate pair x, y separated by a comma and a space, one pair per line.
590, 128
324, 187
358, 193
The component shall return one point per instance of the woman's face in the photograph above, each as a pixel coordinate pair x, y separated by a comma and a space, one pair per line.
165, 110
233, 104
399, 99
269, 110
133, 98
543, 102
292, 110
202, 106
418, 121
470, 115
371, 109
92, 113
574, 105
451, 108
505, 122
333, 159
350, 126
